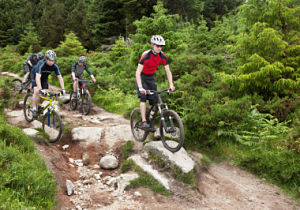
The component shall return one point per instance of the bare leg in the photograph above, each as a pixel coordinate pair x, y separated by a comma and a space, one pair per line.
35, 97
25, 77
75, 86
143, 110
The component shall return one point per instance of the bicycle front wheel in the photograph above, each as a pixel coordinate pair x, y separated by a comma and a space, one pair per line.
86, 103
73, 101
27, 107
135, 122
52, 125
172, 133
17, 86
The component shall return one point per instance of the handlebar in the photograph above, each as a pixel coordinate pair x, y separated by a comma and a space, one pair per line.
51, 94
82, 80
151, 92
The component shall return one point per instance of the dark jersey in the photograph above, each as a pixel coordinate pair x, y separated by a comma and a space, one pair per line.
42, 68
78, 70
151, 62
33, 59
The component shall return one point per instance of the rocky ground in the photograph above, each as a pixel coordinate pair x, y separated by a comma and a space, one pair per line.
85, 183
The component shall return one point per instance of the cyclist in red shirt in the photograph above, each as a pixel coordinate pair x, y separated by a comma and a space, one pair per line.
145, 74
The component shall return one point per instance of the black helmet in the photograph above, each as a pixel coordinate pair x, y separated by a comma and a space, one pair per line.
50, 55
82, 60
40, 55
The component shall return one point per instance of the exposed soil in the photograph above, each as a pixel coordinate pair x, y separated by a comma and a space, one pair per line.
221, 186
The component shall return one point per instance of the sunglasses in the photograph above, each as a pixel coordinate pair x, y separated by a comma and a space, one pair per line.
159, 46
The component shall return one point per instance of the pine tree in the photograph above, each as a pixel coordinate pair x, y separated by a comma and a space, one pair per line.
29, 40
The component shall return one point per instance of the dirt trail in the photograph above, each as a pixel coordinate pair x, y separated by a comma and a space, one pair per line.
222, 186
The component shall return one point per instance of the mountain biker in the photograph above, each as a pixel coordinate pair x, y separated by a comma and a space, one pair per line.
30, 62
145, 74
39, 76
77, 72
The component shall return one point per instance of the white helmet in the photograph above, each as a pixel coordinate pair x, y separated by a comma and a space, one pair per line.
158, 40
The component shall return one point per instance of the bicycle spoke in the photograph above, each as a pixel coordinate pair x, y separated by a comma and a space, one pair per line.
73, 102
135, 121
86, 103
28, 107
17, 86
172, 132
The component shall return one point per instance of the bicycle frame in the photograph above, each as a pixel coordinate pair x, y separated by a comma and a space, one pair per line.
47, 105
79, 89
158, 107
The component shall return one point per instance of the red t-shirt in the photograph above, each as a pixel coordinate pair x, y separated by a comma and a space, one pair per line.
151, 62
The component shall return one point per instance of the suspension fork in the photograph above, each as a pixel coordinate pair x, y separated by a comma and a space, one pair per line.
162, 118
49, 113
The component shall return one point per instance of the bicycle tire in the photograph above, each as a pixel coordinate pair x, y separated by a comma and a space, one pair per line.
53, 126
86, 103
174, 138
17, 89
136, 118
27, 107
73, 101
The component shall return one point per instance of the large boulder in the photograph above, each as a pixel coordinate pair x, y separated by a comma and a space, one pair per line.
109, 162
180, 158
151, 171
89, 134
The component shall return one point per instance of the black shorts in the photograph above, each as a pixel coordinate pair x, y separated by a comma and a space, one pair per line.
44, 83
148, 83
26, 68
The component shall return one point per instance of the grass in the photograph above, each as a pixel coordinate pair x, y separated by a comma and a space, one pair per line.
25, 182
127, 149
144, 179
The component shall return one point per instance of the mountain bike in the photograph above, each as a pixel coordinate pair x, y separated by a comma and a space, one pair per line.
51, 121
18, 86
170, 125
81, 97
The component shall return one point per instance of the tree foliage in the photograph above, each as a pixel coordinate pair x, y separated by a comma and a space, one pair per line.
29, 40
268, 51
71, 46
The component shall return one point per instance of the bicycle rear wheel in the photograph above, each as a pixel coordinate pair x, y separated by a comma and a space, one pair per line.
27, 107
135, 122
17, 86
73, 101
52, 125
173, 134
86, 103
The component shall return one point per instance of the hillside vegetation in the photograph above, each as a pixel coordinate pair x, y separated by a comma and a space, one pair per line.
237, 77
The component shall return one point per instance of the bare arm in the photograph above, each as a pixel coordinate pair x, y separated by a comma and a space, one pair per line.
93, 78
38, 81
61, 82
138, 75
170, 77
138, 78
29, 62
73, 76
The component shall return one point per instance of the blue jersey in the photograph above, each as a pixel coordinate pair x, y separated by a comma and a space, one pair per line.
44, 70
